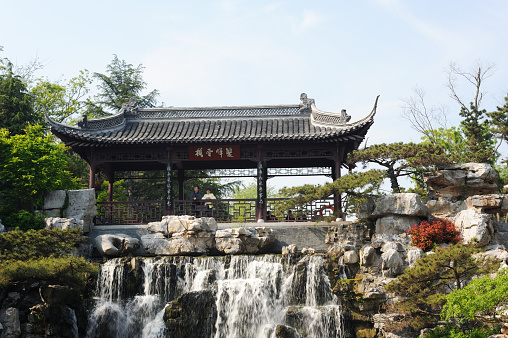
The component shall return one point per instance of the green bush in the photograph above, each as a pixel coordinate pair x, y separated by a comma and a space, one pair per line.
35, 244
71, 271
453, 332
24, 220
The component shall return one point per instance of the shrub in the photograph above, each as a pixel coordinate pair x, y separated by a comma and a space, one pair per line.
427, 234
35, 244
24, 220
71, 271
453, 332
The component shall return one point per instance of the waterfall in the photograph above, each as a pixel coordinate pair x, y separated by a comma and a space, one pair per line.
251, 296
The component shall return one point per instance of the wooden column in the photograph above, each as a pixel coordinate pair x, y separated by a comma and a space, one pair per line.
93, 170
339, 157
181, 181
169, 199
111, 179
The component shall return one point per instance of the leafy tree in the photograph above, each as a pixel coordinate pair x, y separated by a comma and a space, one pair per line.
63, 102
354, 188
121, 82
423, 285
478, 300
31, 165
451, 140
499, 122
399, 159
16, 109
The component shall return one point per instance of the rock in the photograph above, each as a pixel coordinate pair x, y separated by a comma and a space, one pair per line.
374, 294
392, 261
490, 204
156, 244
2, 227
116, 245
283, 331
82, 206
413, 255
459, 181
338, 249
191, 243
391, 245
308, 251
192, 315
244, 240
290, 249
474, 225
368, 256
395, 224
174, 224
10, 322
351, 257
58, 294
406, 204
366, 209
55, 199
63, 223
444, 208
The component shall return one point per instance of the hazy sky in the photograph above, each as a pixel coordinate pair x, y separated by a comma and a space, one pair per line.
213, 53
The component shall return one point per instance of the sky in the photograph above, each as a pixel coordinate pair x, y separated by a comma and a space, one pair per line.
244, 52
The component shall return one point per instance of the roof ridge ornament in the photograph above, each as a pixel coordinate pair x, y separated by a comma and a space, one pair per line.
306, 103
344, 117
130, 108
83, 123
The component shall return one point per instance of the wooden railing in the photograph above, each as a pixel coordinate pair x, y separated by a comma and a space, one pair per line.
223, 210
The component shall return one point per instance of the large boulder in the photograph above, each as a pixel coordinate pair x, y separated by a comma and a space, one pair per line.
175, 224
9, 318
459, 181
475, 226
490, 204
116, 245
58, 294
244, 240
404, 204
395, 224
77, 204
191, 243
444, 208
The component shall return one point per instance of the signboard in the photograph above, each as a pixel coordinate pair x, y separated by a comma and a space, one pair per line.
214, 153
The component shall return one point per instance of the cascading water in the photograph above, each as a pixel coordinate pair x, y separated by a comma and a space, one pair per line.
251, 296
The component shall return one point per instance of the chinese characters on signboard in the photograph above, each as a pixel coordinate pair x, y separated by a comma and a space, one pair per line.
214, 153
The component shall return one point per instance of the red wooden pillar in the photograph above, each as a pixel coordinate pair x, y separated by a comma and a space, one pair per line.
91, 183
339, 157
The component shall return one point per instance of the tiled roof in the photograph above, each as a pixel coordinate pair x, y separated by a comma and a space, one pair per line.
134, 125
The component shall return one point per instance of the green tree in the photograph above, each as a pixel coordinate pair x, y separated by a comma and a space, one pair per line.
499, 122
16, 109
424, 285
478, 300
451, 140
121, 82
354, 189
63, 101
480, 142
32, 164
400, 159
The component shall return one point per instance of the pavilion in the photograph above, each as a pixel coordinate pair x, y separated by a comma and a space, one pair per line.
240, 141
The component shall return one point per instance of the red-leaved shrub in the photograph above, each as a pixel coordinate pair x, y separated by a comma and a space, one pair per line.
426, 234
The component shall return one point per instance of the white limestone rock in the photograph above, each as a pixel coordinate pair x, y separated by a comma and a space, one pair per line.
290, 249
156, 244
405, 204
191, 243
351, 257
244, 240
9, 318
337, 249
116, 245
474, 225
413, 255
63, 223
308, 251
458, 181
392, 261
368, 256
395, 225
55, 199
2, 227
444, 208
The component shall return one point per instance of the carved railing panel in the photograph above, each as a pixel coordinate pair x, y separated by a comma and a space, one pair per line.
223, 210
133, 212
